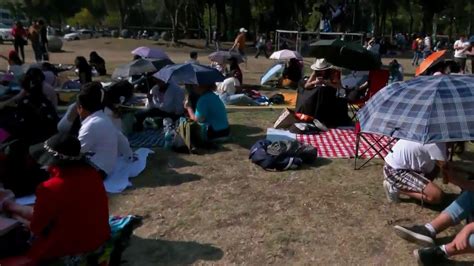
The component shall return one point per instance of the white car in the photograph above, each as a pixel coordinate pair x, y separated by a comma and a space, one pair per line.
80, 35
5, 33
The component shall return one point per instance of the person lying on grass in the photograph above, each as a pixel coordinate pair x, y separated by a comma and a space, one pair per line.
410, 169
425, 235
70, 216
210, 111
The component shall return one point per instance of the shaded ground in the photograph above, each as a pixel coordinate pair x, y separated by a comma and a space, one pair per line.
221, 209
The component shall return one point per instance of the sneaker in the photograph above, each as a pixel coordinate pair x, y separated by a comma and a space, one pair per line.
430, 256
391, 192
320, 125
418, 234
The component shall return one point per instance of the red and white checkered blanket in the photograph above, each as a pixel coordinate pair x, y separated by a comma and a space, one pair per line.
341, 143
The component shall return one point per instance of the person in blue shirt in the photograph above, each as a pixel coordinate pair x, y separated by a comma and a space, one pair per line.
210, 111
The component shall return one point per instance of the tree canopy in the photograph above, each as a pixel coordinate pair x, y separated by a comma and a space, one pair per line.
380, 17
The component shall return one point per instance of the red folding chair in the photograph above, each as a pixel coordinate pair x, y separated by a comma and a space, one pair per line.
377, 80
374, 142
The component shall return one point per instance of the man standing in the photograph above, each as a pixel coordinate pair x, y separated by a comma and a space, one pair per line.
239, 42
34, 36
43, 39
460, 56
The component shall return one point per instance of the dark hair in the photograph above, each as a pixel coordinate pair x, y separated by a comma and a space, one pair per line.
91, 97
115, 93
33, 82
233, 63
41, 22
81, 63
14, 58
193, 54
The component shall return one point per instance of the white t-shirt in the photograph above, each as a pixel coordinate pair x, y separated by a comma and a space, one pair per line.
415, 156
460, 53
375, 48
102, 142
228, 86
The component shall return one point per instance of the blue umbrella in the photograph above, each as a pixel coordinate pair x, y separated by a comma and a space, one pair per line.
426, 109
272, 72
189, 74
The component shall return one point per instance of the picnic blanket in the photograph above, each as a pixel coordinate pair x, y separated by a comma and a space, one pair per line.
118, 180
339, 143
149, 138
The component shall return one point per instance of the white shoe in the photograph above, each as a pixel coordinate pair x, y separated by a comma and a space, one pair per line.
391, 192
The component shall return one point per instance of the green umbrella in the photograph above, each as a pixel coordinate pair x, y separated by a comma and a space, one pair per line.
345, 54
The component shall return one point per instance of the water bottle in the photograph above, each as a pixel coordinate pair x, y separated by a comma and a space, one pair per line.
169, 132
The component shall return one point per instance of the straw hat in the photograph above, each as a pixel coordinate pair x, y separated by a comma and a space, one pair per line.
321, 64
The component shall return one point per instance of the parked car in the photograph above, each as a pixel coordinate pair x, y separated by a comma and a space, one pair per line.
5, 33
81, 35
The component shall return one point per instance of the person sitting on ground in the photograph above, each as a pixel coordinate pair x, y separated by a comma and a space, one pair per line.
193, 58
15, 65
318, 98
396, 71
227, 92
234, 69
410, 169
100, 140
220, 67
164, 100
210, 111
425, 235
71, 215
83, 69
34, 113
116, 94
292, 74
97, 62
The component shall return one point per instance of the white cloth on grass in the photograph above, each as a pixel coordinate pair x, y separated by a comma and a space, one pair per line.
118, 180
410, 155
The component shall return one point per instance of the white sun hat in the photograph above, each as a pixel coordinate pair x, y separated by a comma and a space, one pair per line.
321, 64
243, 30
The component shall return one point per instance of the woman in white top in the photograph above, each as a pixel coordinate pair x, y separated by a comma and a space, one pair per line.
226, 91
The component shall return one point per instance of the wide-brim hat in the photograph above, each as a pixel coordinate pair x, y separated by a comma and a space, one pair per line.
243, 30
60, 149
321, 64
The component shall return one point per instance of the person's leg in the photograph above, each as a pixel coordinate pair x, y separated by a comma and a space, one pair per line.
16, 46
240, 99
258, 52
140, 116
22, 52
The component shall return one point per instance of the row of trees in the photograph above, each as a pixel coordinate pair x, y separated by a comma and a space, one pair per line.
377, 16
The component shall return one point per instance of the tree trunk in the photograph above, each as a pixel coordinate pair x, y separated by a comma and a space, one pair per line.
355, 16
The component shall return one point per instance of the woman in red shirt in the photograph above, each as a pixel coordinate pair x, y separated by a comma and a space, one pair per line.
19, 39
70, 216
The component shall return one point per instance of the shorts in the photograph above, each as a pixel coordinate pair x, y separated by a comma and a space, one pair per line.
461, 62
406, 180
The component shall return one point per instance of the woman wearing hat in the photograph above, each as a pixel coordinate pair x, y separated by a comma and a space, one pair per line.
318, 97
70, 216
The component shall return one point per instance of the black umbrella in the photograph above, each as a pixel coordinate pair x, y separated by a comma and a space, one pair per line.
345, 54
137, 67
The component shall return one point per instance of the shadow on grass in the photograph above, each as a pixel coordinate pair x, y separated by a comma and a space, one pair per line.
165, 252
447, 200
246, 136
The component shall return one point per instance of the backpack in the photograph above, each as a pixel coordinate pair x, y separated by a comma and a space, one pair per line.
281, 155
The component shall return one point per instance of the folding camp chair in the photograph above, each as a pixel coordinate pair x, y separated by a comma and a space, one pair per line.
377, 80
375, 143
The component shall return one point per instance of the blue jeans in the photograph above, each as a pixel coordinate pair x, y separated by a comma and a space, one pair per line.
238, 99
462, 208
416, 57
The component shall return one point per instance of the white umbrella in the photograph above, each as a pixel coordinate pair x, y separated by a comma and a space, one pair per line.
285, 55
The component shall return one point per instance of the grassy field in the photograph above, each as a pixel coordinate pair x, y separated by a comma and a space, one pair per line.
221, 209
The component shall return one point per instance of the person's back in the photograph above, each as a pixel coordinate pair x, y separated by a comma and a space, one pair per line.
213, 110
72, 207
415, 156
99, 140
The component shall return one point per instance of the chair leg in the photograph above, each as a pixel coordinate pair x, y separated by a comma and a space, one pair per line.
356, 151
373, 145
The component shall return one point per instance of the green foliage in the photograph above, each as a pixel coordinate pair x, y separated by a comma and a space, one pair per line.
112, 20
83, 18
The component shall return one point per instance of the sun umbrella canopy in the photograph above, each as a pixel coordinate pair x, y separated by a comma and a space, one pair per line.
430, 61
273, 72
221, 57
189, 74
148, 52
136, 67
344, 54
160, 63
426, 109
285, 55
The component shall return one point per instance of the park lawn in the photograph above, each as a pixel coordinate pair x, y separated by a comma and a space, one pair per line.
220, 208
